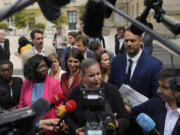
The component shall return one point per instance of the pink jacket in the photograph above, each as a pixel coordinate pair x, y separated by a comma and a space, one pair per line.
52, 86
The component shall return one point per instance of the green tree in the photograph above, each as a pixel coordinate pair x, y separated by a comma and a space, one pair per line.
4, 26
82, 10
61, 20
21, 19
39, 26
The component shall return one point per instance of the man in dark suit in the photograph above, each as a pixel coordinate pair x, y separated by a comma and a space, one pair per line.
164, 110
82, 44
119, 40
134, 67
4, 47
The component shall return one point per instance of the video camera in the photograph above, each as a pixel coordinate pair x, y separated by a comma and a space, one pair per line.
99, 117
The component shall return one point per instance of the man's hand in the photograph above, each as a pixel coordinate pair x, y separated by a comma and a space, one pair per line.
48, 124
128, 108
80, 131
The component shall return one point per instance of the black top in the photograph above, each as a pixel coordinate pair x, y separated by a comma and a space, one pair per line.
5, 52
78, 118
8, 99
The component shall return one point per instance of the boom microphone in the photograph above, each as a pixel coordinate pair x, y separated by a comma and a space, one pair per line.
94, 18
146, 123
51, 8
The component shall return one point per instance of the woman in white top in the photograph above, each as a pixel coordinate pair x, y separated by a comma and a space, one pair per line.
55, 71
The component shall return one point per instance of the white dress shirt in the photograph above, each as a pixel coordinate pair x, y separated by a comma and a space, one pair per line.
121, 41
41, 53
59, 40
2, 45
135, 60
171, 119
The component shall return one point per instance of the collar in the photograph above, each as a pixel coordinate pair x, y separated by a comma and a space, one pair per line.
135, 58
169, 108
36, 52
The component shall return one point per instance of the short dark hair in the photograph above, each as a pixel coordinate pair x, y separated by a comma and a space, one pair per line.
121, 28
168, 73
35, 31
84, 39
58, 27
73, 34
55, 55
174, 78
6, 62
94, 45
98, 55
74, 52
86, 63
31, 65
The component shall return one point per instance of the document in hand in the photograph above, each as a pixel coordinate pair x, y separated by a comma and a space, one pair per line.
131, 97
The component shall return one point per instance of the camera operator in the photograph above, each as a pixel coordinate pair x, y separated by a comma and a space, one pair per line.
91, 78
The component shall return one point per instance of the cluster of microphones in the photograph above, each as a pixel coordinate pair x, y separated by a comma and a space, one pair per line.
21, 119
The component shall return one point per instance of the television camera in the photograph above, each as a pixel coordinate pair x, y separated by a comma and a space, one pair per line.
99, 116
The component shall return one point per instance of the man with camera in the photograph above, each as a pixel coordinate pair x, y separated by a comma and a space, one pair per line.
90, 110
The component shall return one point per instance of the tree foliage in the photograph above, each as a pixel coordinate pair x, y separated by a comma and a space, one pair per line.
21, 19
4, 26
61, 20
82, 10
39, 26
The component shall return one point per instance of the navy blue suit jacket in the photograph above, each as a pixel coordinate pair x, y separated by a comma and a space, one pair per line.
144, 79
156, 109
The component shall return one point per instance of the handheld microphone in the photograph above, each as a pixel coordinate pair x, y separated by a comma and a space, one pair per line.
62, 112
146, 123
57, 99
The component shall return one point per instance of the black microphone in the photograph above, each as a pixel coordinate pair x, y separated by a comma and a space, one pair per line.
51, 8
24, 118
147, 124
94, 16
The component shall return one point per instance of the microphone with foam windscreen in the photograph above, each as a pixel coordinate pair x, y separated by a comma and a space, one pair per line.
94, 16
57, 99
51, 8
147, 124
24, 119
63, 110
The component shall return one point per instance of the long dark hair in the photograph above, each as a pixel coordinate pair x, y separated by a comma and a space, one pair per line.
75, 53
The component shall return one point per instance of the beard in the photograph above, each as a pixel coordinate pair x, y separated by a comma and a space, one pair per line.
132, 53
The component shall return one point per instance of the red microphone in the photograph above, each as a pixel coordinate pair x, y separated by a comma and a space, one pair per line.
57, 99
69, 107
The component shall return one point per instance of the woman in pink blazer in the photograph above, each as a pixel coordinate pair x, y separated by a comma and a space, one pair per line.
39, 84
